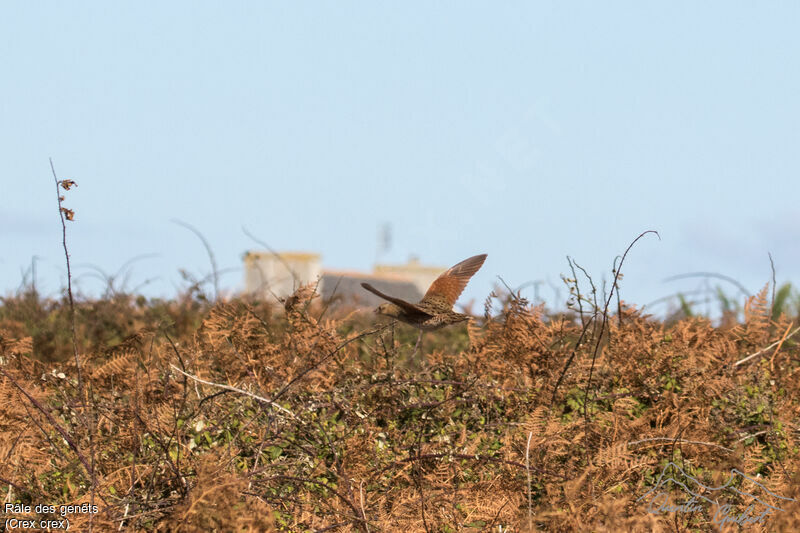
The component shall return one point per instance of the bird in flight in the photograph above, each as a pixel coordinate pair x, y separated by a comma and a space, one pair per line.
435, 310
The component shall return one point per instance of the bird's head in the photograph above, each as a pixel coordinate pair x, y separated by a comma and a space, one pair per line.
388, 310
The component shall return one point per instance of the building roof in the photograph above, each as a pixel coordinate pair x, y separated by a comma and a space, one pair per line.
412, 266
345, 287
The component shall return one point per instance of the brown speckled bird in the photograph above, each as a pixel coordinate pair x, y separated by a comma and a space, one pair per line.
435, 310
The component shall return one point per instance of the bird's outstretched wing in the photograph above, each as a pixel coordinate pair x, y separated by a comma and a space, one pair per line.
409, 308
449, 286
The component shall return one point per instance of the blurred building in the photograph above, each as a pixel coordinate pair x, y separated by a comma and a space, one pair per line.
344, 287
268, 275
420, 275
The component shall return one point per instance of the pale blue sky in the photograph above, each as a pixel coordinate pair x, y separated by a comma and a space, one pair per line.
526, 130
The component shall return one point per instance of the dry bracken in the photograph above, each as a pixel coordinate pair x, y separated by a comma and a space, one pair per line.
284, 421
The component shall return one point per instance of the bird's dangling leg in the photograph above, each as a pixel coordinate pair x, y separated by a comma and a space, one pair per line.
419, 342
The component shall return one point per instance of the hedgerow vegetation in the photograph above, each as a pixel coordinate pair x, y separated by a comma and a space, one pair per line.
329, 425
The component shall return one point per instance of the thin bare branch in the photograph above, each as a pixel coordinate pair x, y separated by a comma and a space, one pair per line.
269, 402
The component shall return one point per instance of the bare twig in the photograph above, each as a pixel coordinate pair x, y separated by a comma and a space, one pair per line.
605, 320
577, 289
591, 283
619, 302
240, 391
69, 281
778, 348
124, 516
363, 512
214, 269
672, 440
591, 322
572, 357
751, 436
763, 350
772, 267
